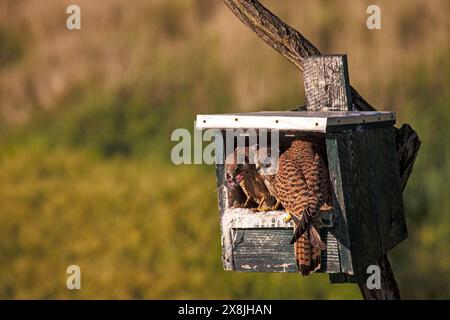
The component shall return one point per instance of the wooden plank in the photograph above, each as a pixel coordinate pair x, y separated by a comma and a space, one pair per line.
338, 150
359, 127
327, 84
268, 241
330, 257
240, 218
364, 224
392, 222
308, 121
263, 250
222, 195
268, 250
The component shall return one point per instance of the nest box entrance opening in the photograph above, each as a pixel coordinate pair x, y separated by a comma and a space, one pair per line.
236, 195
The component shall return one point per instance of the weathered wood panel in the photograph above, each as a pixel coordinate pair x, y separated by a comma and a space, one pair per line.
327, 85
393, 224
263, 250
365, 235
337, 149
268, 250
368, 198
382, 208
219, 140
330, 257
259, 242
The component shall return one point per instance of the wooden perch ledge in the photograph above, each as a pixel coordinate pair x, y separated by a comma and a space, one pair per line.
295, 47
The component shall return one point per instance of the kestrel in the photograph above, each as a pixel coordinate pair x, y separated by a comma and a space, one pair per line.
299, 180
246, 176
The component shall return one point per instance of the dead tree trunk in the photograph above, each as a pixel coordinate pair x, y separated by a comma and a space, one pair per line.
295, 47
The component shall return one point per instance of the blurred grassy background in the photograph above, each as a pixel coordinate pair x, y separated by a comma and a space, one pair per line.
85, 123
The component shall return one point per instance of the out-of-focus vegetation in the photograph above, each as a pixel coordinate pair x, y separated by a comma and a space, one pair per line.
85, 123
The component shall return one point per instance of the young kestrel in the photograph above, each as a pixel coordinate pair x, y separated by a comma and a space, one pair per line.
241, 173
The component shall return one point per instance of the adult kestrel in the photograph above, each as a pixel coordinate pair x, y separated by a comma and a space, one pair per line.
299, 180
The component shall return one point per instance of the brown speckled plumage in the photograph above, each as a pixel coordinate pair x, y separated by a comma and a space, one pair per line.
302, 185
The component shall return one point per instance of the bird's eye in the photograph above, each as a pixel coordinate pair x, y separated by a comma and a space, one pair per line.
266, 163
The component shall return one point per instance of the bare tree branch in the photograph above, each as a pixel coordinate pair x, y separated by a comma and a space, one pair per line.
287, 41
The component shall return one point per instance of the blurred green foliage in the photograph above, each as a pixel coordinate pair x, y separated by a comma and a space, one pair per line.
85, 171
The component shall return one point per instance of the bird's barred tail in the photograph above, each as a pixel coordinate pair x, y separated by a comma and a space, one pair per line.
308, 251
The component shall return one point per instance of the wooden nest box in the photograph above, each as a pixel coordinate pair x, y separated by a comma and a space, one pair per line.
367, 219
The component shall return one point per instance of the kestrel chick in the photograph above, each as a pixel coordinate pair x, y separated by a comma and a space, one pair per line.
246, 176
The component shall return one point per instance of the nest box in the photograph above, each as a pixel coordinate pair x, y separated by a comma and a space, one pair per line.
367, 219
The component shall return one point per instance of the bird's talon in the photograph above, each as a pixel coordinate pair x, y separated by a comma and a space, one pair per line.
288, 218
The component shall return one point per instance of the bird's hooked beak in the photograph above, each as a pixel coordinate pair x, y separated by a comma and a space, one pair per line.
233, 181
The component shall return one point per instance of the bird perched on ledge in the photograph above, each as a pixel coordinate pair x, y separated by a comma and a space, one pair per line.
241, 173
299, 180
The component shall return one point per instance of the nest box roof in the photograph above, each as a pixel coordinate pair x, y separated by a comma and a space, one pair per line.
294, 120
